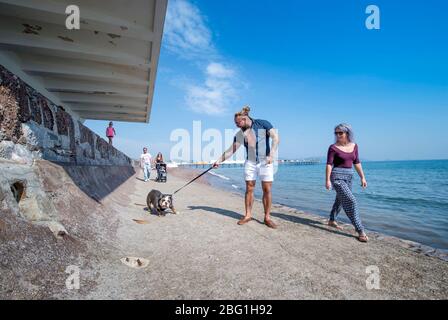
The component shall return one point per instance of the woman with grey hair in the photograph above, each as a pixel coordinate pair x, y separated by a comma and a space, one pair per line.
342, 155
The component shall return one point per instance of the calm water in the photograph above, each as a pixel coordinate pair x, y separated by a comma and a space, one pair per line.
407, 199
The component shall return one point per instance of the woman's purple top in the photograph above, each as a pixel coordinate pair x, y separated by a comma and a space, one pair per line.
341, 159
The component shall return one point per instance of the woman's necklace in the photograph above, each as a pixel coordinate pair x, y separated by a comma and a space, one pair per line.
344, 144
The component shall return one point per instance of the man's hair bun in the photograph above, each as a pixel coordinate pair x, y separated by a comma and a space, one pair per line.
244, 112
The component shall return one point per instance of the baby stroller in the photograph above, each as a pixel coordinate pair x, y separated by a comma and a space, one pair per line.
161, 172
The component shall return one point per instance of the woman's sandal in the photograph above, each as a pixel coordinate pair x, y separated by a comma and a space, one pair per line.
333, 224
363, 238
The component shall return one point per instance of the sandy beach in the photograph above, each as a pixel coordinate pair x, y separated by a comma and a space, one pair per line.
350, 103
201, 253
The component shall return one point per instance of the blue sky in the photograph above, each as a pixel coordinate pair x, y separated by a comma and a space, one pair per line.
305, 66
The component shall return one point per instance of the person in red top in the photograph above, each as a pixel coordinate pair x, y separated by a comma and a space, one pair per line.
110, 132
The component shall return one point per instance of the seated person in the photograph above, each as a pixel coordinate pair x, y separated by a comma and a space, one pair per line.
159, 158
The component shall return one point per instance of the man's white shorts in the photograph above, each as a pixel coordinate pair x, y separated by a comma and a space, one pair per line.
253, 170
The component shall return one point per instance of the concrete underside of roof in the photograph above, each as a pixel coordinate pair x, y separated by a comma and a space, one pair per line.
106, 70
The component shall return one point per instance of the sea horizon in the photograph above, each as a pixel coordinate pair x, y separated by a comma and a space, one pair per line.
320, 158
367, 160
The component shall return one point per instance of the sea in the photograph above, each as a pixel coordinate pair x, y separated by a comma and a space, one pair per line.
405, 199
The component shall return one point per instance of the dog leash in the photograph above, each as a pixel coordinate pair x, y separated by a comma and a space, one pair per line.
193, 180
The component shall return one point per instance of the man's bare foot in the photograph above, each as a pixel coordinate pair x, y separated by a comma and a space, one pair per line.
334, 224
270, 223
244, 220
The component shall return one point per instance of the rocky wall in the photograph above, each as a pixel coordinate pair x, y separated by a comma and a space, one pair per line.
33, 127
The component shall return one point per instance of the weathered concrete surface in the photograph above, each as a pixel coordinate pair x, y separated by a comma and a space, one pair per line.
34, 255
202, 253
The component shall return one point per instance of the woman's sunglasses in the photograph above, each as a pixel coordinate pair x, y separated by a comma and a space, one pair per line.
339, 133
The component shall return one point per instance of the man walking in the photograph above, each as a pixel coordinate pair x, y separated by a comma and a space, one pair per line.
145, 163
255, 135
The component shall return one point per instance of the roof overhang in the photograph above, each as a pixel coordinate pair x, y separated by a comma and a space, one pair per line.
106, 70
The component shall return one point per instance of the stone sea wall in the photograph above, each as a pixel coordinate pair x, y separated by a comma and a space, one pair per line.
33, 127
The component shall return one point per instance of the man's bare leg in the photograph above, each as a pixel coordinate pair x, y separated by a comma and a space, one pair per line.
267, 203
249, 202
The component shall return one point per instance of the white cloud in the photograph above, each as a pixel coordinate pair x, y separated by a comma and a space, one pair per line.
186, 33
218, 70
188, 36
216, 94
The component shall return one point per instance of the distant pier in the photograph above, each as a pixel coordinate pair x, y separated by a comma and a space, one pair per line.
234, 164
305, 162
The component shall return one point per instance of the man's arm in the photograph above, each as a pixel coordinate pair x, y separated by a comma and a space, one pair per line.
227, 154
275, 142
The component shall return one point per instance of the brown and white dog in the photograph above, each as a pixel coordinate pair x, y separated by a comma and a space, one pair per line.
158, 202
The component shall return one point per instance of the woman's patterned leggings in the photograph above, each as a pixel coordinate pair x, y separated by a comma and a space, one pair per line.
341, 178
